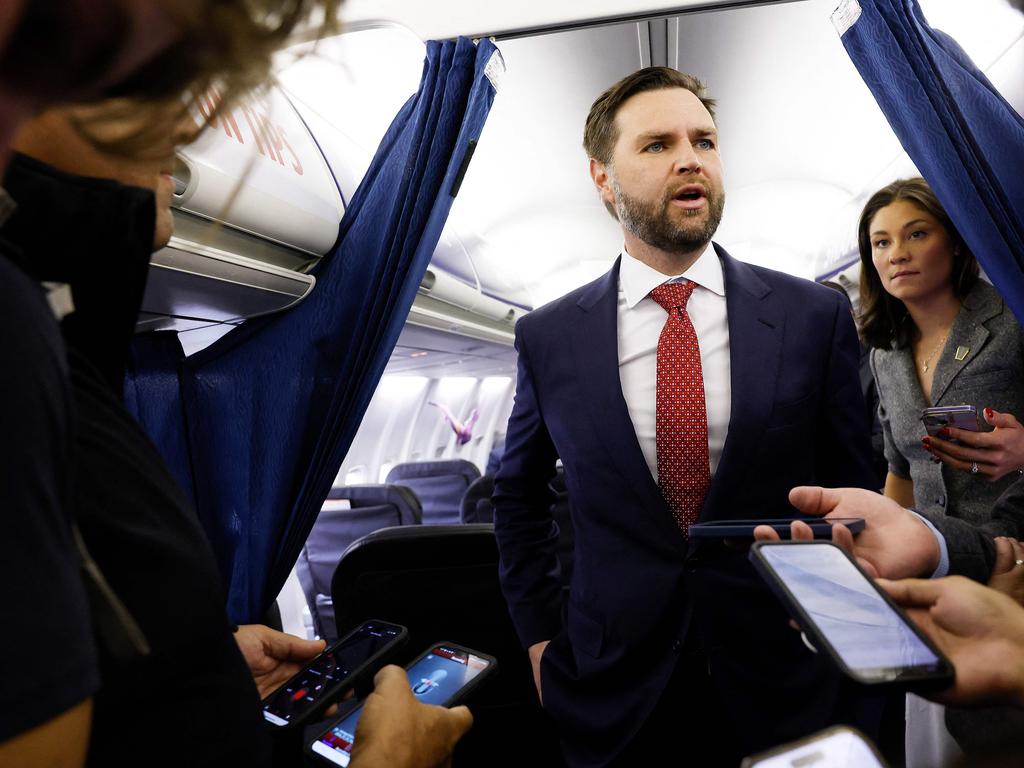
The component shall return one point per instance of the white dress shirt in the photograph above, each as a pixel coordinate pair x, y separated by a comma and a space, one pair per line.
640, 320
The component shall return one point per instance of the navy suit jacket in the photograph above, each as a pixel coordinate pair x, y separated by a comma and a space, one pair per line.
637, 588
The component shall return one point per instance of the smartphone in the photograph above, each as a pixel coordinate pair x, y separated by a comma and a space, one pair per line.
838, 605
957, 416
444, 674
836, 747
744, 529
322, 682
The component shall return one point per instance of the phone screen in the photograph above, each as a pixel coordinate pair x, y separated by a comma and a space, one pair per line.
435, 679
327, 672
871, 638
843, 749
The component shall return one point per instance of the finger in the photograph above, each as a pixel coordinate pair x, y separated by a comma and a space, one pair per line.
965, 436
766, 533
985, 470
814, 500
291, 648
842, 538
1004, 556
331, 711
912, 592
800, 531
461, 719
941, 448
390, 678
1000, 420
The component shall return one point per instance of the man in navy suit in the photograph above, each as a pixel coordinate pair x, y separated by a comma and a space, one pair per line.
681, 386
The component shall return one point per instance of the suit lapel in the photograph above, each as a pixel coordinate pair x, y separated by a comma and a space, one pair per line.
966, 338
756, 325
594, 341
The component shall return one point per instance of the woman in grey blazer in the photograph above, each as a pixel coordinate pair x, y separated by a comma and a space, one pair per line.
940, 336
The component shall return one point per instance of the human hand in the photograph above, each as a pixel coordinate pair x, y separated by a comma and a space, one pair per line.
980, 630
273, 657
397, 731
895, 543
996, 453
536, 651
1008, 572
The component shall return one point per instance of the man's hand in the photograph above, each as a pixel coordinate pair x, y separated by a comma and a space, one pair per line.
536, 651
894, 544
273, 657
396, 731
1007, 576
979, 629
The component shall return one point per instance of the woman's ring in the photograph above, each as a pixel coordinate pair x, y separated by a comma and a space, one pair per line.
1018, 562
974, 467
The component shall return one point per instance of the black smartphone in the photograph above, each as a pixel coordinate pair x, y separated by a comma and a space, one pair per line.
838, 605
339, 667
836, 747
821, 527
444, 674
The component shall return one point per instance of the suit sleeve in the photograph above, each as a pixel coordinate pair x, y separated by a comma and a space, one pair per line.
523, 523
897, 462
844, 440
972, 551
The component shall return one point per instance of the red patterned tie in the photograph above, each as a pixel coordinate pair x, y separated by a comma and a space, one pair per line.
681, 435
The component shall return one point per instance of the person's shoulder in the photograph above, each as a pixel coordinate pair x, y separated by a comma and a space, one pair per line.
31, 335
561, 308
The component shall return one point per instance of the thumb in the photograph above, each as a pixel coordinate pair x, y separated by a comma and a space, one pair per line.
291, 648
1004, 556
814, 500
911, 593
1000, 420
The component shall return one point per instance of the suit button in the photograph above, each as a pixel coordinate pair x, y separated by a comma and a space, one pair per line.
941, 501
677, 646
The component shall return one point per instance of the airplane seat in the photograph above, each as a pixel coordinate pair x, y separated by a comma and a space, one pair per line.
566, 536
439, 485
372, 507
476, 504
441, 581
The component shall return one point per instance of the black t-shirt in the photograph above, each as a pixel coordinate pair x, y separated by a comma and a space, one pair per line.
192, 701
47, 657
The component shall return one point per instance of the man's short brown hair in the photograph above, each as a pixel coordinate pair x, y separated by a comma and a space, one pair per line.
601, 133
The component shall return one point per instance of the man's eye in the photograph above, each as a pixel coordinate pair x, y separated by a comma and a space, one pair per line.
656, 147
705, 144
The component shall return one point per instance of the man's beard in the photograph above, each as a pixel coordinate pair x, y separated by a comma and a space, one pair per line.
650, 221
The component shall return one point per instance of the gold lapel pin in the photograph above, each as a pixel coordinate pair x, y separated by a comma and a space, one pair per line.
962, 353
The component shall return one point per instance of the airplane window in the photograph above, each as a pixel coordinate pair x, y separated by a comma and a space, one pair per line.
355, 475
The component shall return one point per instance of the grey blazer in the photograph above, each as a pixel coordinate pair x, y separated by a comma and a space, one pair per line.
982, 364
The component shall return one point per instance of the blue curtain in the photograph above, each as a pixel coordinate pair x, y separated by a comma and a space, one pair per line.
269, 411
966, 140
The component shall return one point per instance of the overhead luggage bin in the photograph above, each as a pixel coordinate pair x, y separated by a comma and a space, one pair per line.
255, 206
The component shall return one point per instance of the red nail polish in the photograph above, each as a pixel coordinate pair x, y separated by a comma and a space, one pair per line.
945, 432
927, 441
989, 412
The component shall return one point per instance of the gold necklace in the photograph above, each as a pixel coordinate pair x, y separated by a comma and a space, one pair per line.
940, 345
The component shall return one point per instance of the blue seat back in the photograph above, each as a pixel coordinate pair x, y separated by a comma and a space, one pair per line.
440, 486
372, 507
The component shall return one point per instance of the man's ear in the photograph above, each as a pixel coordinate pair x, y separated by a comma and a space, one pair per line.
602, 177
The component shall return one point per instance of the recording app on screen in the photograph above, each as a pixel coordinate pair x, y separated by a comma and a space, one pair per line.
435, 679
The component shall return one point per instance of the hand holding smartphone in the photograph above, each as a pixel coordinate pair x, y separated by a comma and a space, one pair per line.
337, 669
848, 617
444, 675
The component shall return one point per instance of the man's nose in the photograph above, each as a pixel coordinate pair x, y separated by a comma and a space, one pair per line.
687, 159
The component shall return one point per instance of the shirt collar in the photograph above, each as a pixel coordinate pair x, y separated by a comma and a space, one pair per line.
637, 280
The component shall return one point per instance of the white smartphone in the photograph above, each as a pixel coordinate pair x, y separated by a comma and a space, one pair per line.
836, 747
